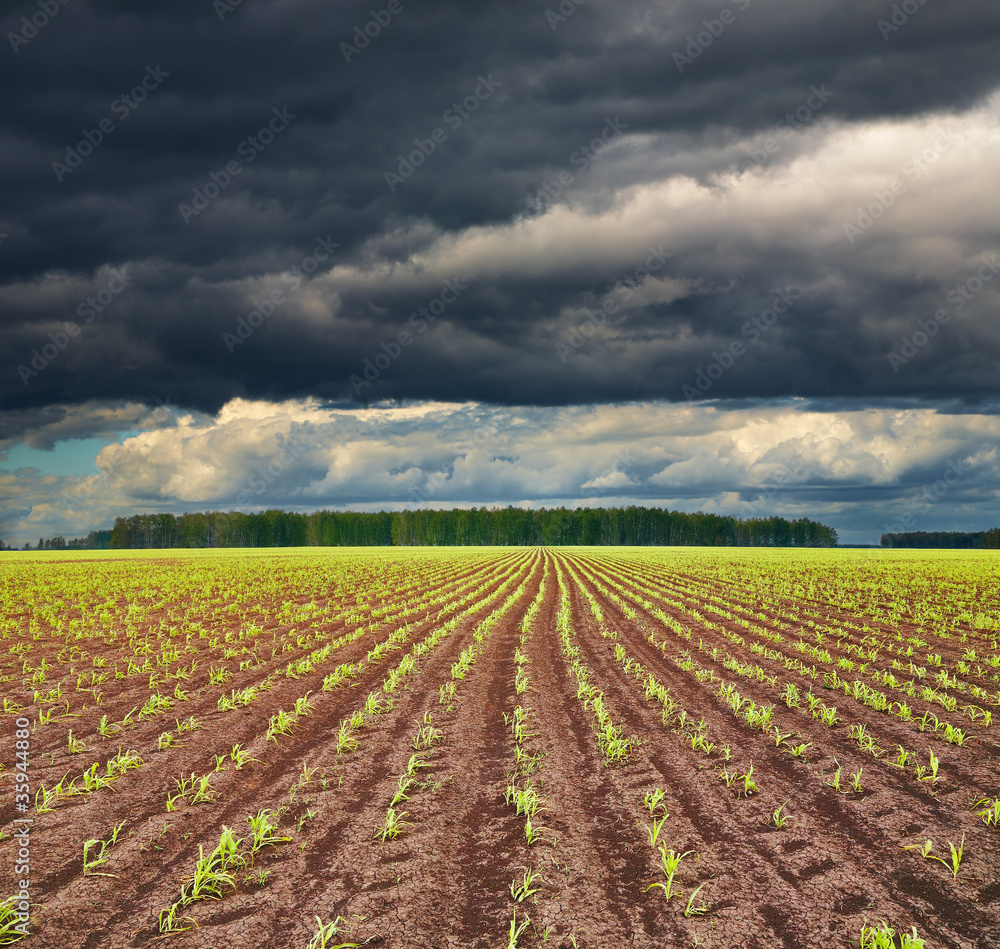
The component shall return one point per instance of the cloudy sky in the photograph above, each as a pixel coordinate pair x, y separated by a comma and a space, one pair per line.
737, 258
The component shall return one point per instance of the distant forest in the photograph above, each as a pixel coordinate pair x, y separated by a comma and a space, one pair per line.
632, 526
981, 540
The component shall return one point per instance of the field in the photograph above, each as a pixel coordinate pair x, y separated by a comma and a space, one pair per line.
502, 747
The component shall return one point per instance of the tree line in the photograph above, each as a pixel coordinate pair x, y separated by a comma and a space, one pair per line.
954, 540
631, 526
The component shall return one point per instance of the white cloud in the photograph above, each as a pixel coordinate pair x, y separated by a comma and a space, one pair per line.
303, 455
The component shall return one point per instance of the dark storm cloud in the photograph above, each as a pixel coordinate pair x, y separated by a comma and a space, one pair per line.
262, 103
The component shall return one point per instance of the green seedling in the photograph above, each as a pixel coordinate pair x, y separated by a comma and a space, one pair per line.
240, 757
670, 860
165, 740
415, 763
991, 813
262, 828
929, 773
885, 937
728, 776
345, 740
695, 906
856, 780
302, 705
956, 857
531, 832
325, 932
778, 818
404, 785
799, 751
521, 889
515, 930
903, 757
75, 745
90, 862
169, 922
653, 798
392, 826
427, 737
203, 793
653, 833
924, 848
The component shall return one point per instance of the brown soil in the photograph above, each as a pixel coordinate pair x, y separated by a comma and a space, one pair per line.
445, 881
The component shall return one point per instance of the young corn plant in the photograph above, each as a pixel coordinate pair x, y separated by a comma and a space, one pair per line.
262, 829
653, 833
696, 906
670, 860
885, 937
345, 739
652, 800
521, 889
326, 933
75, 745
953, 863
171, 922
240, 757
903, 757
531, 832
778, 818
799, 751
930, 772
89, 862
515, 930
991, 813
403, 786
392, 826
956, 857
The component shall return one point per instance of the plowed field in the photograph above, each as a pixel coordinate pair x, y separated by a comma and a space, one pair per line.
495, 748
